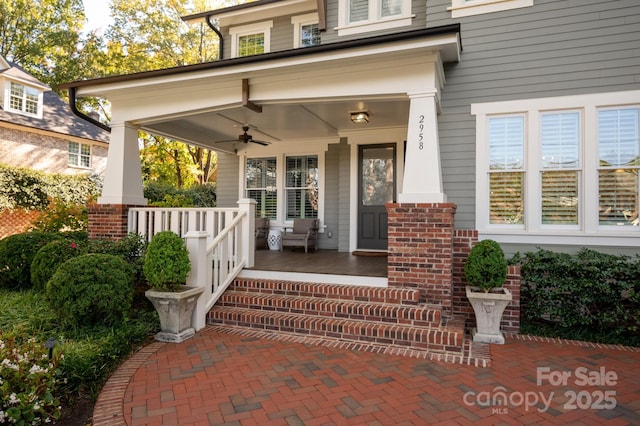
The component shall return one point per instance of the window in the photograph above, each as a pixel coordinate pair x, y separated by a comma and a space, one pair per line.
562, 169
618, 150
357, 16
261, 186
24, 99
506, 169
306, 30
461, 8
284, 187
302, 187
79, 154
252, 39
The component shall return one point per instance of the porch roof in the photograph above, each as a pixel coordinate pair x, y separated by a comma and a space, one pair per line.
448, 55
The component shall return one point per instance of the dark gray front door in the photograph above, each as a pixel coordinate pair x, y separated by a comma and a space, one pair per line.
376, 187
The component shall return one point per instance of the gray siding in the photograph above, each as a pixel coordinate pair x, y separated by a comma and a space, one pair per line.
331, 198
418, 8
227, 184
555, 48
344, 171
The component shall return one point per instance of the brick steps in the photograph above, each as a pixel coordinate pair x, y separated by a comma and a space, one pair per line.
375, 316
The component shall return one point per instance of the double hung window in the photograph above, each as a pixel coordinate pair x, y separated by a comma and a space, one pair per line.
79, 155
357, 16
24, 99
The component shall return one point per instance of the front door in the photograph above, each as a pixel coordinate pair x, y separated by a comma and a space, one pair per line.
376, 187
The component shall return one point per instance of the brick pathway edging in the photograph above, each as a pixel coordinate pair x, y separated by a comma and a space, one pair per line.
108, 410
572, 342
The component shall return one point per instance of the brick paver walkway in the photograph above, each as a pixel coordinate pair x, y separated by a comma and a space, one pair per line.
220, 378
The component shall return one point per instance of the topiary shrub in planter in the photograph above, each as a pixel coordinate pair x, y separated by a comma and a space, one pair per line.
91, 289
49, 258
16, 255
485, 271
166, 266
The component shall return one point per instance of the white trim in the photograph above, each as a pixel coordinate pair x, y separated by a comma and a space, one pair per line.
590, 232
462, 8
355, 138
288, 149
242, 30
375, 22
298, 22
356, 280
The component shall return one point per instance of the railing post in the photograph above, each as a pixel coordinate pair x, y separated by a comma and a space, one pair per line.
200, 274
247, 241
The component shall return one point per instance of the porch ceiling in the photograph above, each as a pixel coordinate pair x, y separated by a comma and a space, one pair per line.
279, 122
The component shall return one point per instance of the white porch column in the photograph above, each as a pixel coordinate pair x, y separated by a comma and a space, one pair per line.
123, 175
422, 170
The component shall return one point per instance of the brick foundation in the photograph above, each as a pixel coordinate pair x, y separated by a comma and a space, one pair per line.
16, 221
108, 221
427, 253
421, 250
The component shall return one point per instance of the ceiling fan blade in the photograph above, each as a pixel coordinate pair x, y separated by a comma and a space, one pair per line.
263, 143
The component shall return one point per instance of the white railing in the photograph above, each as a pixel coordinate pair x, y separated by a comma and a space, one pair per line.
220, 242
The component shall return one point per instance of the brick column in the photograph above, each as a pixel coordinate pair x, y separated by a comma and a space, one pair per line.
421, 250
109, 221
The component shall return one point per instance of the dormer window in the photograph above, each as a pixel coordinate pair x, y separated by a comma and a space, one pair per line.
358, 16
306, 30
252, 39
24, 99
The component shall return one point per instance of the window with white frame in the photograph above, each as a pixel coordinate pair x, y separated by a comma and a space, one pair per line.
559, 167
79, 155
252, 39
357, 16
287, 191
24, 99
461, 8
301, 187
306, 31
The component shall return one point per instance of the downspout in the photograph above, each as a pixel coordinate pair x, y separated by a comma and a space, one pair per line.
76, 111
217, 31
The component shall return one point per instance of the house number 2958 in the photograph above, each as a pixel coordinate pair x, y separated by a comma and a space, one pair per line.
420, 132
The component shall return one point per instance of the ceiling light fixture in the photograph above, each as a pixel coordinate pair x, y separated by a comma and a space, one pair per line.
360, 117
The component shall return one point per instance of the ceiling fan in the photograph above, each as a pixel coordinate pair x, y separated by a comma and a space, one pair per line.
247, 138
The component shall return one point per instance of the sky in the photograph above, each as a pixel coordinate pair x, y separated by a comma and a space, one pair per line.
97, 13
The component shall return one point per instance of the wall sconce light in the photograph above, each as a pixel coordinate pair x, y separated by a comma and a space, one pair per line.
360, 117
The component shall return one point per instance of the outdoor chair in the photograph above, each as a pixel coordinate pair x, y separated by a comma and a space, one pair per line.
262, 230
304, 233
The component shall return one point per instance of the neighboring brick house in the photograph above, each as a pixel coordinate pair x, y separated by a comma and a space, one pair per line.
39, 131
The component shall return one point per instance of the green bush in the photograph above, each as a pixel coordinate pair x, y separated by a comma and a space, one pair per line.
163, 195
30, 189
16, 255
49, 258
202, 195
28, 382
166, 262
91, 289
486, 266
589, 295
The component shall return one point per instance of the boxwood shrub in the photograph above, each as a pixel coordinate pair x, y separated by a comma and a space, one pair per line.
91, 289
50, 257
16, 255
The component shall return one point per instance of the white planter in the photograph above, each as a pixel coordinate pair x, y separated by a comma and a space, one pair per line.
175, 310
488, 308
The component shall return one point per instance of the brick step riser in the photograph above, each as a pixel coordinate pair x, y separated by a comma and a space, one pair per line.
391, 314
401, 296
421, 338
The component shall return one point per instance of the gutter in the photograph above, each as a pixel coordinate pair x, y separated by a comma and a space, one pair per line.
77, 112
219, 34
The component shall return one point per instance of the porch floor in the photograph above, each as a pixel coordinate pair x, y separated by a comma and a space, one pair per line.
321, 262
